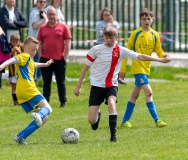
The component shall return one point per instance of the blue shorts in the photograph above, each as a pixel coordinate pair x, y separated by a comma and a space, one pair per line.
98, 95
33, 103
141, 79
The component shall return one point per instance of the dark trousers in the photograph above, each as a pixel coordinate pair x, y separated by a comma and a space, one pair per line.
59, 68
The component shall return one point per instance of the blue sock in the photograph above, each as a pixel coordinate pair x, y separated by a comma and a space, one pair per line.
128, 112
43, 112
28, 130
152, 110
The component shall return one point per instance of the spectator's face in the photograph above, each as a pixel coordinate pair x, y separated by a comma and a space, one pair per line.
52, 16
106, 16
41, 4
10, 3
56, 3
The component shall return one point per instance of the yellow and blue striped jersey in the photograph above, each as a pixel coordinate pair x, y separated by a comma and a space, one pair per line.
25, 88
144, 43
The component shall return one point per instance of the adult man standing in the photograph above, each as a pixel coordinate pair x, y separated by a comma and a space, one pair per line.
55, 43
11, 19
37, 18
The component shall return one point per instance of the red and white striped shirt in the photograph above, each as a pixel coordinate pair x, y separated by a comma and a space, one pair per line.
105, 63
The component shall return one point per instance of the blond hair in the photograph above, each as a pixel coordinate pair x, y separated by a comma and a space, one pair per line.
31, 39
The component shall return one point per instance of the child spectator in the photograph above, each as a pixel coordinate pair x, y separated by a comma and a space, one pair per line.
15, 50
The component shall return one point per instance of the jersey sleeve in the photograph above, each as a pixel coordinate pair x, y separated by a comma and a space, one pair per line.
90, 57
158, 49
22, 59
130, 44
123, 65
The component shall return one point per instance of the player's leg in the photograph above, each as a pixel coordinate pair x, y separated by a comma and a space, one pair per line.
94, 116
130, 107
131, 103
97, 95
40, 117
14, 97
151, 106
111, 99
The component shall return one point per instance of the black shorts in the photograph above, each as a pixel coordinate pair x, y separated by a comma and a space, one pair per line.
98, 95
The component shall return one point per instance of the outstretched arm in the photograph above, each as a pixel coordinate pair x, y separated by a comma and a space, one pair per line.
82, 75
40, 65
143, 57
6, 63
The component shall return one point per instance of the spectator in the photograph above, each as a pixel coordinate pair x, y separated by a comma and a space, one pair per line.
37, 18
11, 19
15, 50
106, 18
57, 4
3, 57
55, 43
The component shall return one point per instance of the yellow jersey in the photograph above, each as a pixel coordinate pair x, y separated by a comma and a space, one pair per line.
144, 43
25, 88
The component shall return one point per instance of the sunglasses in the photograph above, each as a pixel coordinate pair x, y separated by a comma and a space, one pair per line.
106, 14
42, 1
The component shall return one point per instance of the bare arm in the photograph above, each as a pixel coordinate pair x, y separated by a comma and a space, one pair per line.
40, 65
5, 64
67, 48
143, 57
36, 25
82, 75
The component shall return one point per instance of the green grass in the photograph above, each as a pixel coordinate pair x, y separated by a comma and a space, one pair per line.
144, 141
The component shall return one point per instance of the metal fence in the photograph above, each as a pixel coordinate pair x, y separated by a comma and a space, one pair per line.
170, 19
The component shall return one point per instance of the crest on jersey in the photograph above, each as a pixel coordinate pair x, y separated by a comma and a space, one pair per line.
150, 38
115, 54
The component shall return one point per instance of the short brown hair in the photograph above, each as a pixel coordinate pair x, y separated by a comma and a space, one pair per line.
31, 39
146, 12
15, 37
110, 31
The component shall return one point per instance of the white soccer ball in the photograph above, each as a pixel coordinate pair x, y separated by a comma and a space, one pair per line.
70, 135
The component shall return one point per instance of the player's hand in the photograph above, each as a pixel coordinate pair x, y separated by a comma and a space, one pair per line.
77, 91
166, 59
48, 63
122, 75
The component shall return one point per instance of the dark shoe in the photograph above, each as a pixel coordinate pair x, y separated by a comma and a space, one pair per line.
113, 139
96, 125
120, 81
63, 105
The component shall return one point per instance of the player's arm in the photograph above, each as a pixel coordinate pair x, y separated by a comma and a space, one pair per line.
81, 78
150, 58
122, 72
40, 65
7, 63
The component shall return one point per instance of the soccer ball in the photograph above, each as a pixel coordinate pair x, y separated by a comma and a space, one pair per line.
70, 135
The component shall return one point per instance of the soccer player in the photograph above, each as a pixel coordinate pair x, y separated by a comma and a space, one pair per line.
143, 40
105, 60
31, 100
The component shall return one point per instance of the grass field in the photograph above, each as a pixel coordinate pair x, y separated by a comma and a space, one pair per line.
143, 141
